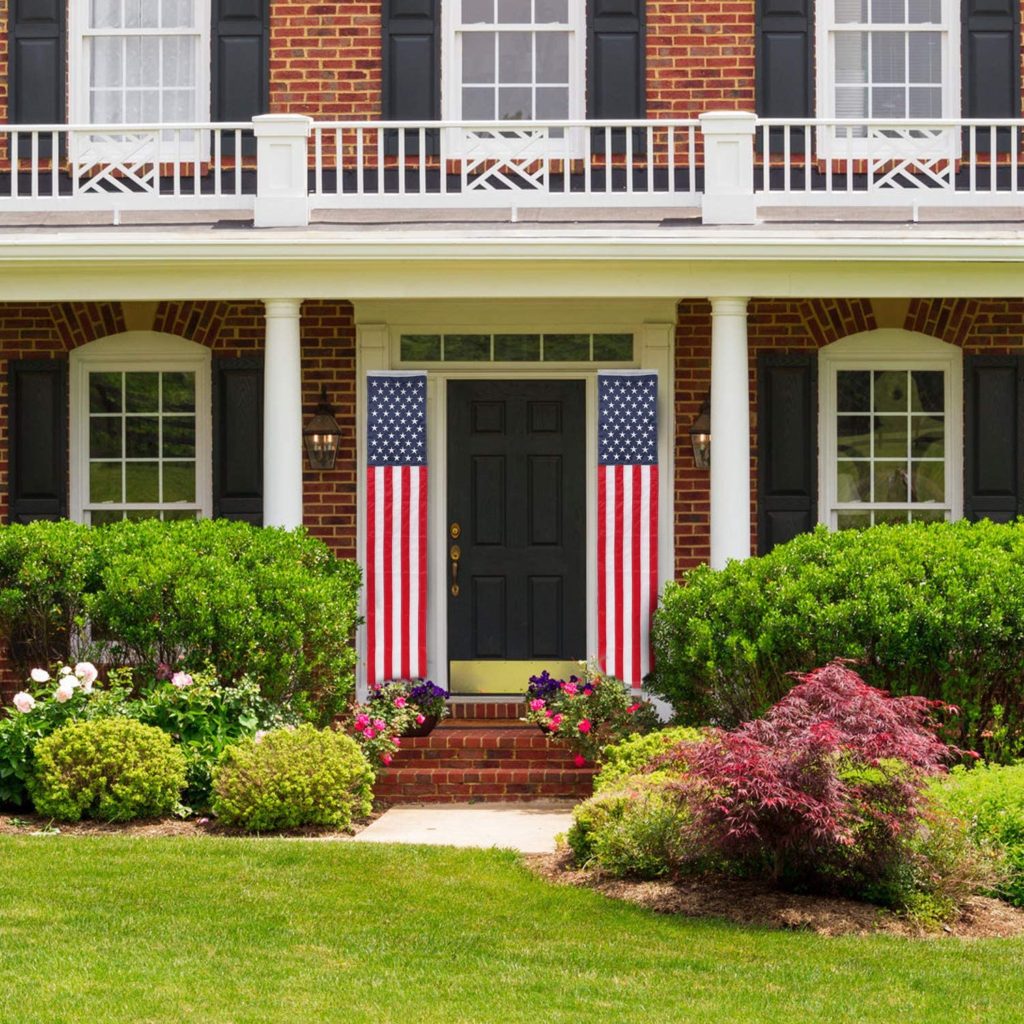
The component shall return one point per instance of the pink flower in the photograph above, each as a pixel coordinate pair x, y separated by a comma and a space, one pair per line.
260, 736
536, 704
369, 733
86, 673
64, 692
361, 722
386, 759
397, 740
40, 675
202, 821
584, 726
379, 724
556, 720
633, 708
587, 691
374, 686
181, 680
399, 702
420, 719
570, 689
580, 761
24, 702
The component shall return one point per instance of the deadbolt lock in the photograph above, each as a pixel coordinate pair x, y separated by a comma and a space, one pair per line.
455, 530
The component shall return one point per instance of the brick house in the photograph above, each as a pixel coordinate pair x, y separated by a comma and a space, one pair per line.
803, 217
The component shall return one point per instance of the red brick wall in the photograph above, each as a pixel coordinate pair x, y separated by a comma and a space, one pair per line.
35, 330
993, 326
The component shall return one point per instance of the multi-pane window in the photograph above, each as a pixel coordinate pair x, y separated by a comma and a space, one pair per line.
516, 348
891, 452
889, 58
516, 60
141, 442
142, 61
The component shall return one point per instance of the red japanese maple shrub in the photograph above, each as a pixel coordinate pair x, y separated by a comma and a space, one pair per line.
826, 791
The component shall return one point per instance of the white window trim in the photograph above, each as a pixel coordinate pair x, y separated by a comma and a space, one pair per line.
458, 142
831, 145
147, 351
91, 148
889, 348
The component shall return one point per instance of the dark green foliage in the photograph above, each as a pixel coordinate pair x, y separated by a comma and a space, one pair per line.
272, 605
935, 610
990, 800
113, 769
292, 777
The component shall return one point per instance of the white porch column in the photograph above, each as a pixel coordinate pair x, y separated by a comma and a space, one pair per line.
730, 432
282, 416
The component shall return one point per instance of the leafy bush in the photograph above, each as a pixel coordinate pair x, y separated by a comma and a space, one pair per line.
272, 605
292, 777
934, 610
990, 799
588, 711
633, 829
113, 769
635, 753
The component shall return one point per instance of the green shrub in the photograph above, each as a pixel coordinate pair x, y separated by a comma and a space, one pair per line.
292, 777
272, 605
113, 769
631, 830
631, 755
990, 799
935, 610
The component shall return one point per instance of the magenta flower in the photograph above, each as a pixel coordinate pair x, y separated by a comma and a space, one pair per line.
386, 759
362, 721
397, 740
399, 702
633, 708
369, 733
570, 689
556, 720
379, 724
580, 761
536, 704
420, 719
584, 726
587, 691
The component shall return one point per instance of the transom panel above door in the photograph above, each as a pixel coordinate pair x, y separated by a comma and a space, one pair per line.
516, 544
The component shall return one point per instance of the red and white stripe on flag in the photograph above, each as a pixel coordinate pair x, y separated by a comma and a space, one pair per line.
627, 522
396, 527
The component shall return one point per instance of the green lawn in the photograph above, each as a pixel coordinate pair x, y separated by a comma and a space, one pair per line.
99, 930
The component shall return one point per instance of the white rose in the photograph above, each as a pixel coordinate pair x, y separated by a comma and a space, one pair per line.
40, 675
24, 702
65, 670
86, 672
64, 692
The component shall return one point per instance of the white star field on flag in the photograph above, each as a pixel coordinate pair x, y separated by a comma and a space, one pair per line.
628, 425
397, 420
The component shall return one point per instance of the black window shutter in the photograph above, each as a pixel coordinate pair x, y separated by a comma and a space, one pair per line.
993, 441
411, 56
238, 439
240, 65
616, 62
38, 431
787, 447
784, 64
991, 58
37, 47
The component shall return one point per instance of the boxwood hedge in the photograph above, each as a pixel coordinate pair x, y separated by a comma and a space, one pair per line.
935, 610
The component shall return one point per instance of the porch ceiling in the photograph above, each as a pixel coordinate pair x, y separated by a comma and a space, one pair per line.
548, 255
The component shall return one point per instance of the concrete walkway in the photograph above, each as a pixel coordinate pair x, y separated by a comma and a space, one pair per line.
529, 828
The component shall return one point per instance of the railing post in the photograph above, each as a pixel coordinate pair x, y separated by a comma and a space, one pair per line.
282, 183
728, 167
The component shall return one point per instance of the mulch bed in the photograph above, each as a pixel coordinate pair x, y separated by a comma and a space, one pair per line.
33, 824
752, 903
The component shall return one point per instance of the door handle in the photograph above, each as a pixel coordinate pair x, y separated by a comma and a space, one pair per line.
455, 554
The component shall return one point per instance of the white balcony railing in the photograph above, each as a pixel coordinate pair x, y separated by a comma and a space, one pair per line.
729, 164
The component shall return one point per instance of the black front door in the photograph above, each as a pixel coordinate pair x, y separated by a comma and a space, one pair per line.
516, 541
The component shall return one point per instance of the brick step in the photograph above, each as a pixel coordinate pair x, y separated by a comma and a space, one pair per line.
452, 785
486, 711
452, 736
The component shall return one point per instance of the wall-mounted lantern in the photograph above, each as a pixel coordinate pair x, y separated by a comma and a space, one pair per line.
700, 436
322, 435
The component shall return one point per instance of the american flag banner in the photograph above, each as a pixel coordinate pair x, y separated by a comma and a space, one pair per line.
396, 526
627, 521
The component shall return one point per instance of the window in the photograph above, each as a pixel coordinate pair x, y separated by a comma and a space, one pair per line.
516, 348
888, 59
141, 62
513, 60
891, 430
140, 429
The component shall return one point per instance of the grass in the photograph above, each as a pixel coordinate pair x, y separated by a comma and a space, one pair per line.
102, 930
